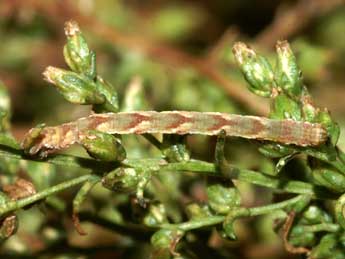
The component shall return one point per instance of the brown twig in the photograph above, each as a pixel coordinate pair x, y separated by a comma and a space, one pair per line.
289, 21
161, 52
286, 231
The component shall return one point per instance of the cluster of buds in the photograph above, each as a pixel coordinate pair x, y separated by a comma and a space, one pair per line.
81, 85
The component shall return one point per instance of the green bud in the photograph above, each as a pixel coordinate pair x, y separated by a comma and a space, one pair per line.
156, 215
222, 199
326, 247
275, 150
122, 179
174, 148
309, 110
103, 146
283, 107
298, 237
332, 127
288, 75
74, 87
330, 178
165, 238
228, 230
256, 69
339, 211
300, 205
314, 215
228, 224
195, 211
111, 103
76, 52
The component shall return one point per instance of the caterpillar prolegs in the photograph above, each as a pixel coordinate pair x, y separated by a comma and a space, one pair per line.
49, 139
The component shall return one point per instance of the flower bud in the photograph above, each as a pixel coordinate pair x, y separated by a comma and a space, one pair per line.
332, 127
288, 75
284, 107
339, 211
309, 110
326, 248
122, 179
74, 87
195, 211
174, 148
76, 52
156, 216
103, 146
164, 238
228, 224
111, 103
222, 199
330, 178
276, 150
256, 69
298, 237
314, 215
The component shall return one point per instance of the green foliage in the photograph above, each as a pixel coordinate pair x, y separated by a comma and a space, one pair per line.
158, 195
103, 146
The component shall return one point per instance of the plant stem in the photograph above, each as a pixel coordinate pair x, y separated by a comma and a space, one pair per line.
15, 205
329, 227
196, 166
239, 212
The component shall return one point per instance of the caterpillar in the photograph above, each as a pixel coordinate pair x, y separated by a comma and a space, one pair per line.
49, 139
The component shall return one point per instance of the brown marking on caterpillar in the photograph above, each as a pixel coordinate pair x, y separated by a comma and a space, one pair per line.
313, 134
179, 121
220, 122
96, 120
288, 130
257, 127
175, 122
136, 120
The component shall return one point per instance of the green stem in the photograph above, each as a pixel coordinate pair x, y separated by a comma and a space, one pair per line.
239, 212
229, 171
272, 207
194, 224
232, 172
15, 205
329, 227
59, 160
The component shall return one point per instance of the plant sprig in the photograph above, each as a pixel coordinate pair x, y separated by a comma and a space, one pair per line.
109, 165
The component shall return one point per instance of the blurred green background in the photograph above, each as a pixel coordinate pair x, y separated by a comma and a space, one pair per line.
181, 51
